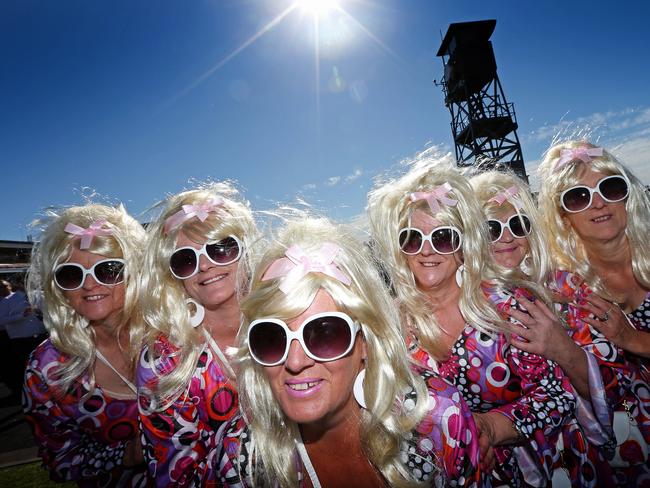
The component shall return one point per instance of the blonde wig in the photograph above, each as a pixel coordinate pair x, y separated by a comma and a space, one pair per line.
387, 421
69, 331
163, 297
487, 185
567, 248
390, 209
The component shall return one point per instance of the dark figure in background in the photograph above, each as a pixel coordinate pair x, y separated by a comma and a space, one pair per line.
20, 332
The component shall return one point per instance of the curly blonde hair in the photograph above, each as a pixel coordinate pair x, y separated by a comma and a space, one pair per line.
386, 422
68, 330
567, 248
163, 297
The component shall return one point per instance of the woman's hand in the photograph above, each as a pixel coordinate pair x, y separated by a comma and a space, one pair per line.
541, 334
608, 318
494, 429
485, 441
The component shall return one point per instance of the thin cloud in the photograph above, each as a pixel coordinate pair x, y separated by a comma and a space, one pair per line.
625, 133
351, 177
593, 126
333, 180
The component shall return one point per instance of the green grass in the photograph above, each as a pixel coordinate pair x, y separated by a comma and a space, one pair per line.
30, 475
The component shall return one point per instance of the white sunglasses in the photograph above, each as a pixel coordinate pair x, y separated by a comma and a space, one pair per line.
184, 261
71, 276
325, 336
612, 189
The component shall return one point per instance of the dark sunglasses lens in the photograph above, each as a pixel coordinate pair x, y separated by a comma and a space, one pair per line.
576, 199
327, 337
445, 241
494, 226
519, 226
110, 272
410, 241
183, 262
613, 189
224, 251
68, 276
267, 342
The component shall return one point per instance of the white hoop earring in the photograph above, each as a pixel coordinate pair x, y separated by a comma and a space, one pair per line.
199, 314
459, 275
357, 390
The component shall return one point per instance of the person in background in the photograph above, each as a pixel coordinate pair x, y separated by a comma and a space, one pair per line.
325, 381
598, 213
196, 261
24, 331
79, 394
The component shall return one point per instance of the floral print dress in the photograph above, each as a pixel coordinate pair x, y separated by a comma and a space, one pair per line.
442, 451
529, 390
619, 383
81, 434
179, 439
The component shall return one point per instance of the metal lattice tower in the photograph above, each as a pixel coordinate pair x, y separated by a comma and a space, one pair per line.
483, 123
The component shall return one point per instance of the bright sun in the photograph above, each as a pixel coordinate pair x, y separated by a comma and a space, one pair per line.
316, 7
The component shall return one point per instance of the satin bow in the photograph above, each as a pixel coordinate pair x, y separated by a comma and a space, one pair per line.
297, 264
584, 154
187, 212
87, 235
435, 197
510, 195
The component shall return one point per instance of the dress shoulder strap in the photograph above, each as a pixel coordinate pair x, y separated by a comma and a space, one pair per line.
128, 383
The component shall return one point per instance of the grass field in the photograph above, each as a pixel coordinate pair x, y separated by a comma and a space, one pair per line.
29, 475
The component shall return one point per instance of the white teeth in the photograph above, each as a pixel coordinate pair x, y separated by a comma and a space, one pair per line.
93, 298
302, 386
429, 265
212, 280
601, 219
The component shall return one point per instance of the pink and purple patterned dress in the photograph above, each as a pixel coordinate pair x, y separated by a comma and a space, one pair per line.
442, 451
81, 434
531, 391
616, 379
181, 439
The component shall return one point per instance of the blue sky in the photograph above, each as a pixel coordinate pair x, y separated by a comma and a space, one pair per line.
133, 100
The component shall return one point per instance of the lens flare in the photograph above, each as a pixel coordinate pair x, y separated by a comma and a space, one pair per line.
317, 7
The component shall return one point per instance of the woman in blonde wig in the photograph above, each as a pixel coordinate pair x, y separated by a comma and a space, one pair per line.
599, 215
432, 238
598, 369
325, 380
79, 391
196, 262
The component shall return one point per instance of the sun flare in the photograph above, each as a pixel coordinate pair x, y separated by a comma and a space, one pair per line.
316, 7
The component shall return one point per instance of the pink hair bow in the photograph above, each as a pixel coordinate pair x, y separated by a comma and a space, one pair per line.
435, 197
187, 212
297, 264
87, 235
510, 195
583, 153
